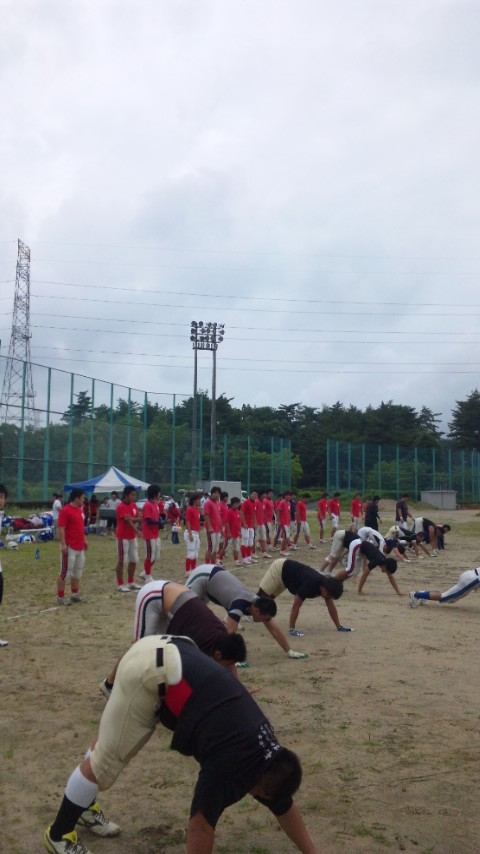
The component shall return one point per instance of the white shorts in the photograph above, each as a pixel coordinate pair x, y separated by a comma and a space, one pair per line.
193, 546
271, 582
303, 528
152, 549
129, 719
72, 563
127, 551
262, 534
149, 617
213, 542
337, 547
334, 520
248, 537
354, 559
235, 545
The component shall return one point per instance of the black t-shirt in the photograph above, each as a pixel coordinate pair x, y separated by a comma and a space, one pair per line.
371, 515
401, 511
301, 580
195, 620
227, 733
373, 554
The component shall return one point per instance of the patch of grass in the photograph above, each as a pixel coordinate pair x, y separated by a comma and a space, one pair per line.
361, 830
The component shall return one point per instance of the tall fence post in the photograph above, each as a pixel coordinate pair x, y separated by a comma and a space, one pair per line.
46, 446
21, 438
337, 475
328, 465
174, 427
463, 476
281, 465
200, 448
349, 464
248, 463
363, 470
272, 453
110, 429
379, 469
92, 433
449, 468
70, 432
225, 441
145, 434
415, 467
398, 472
472, 466
129, 432
434, 469
289, 463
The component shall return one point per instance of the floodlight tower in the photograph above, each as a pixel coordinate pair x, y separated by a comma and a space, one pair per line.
205, 336
17, 401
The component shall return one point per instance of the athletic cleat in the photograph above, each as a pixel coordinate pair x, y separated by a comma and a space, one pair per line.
75, 597
123, 588
246, 561
95, 820
413, 601
284, 554
237, 562
296, 634
134, 586
434, 553
266, 556
311, 546
106, 691
145, 577
62, 601
3, 643
294, 548
69, 844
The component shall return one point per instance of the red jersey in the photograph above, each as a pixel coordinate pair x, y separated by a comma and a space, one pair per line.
259, 512
248, 511
322, 508
124, 529
356, 508
192, 517
334, 507
151, 511
223, 510
301, 512
284, 515
233, 520
268, 510
72, 520
212, 513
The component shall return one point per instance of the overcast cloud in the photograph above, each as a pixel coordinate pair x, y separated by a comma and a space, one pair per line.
304, 172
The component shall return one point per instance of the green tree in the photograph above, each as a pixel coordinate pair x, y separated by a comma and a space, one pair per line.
464, 428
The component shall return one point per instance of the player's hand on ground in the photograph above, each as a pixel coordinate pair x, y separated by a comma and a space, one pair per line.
292, 653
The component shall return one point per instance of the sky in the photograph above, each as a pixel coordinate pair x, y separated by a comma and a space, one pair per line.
304, 172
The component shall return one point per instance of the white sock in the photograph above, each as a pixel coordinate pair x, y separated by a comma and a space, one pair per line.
81, 791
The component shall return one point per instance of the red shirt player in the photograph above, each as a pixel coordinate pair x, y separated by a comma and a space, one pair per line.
301, 520
71, 533
128, 517
322, 515
334, 512
284, 518
232, 529
248, 522
212, 524
223, 510
269, 516
356, 512
151, 530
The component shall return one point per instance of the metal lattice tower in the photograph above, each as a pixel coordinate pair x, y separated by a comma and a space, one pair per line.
17, 402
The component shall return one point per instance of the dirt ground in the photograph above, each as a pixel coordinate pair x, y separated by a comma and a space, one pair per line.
386, 719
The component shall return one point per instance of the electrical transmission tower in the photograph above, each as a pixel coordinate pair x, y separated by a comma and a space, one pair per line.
17, 402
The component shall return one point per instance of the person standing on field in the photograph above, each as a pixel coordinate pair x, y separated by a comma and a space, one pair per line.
301, 517
73, 544
356, 512
334, 513
192, 531
56, 507
249, 524
233, 528
212, 524
128, 519
151, 530
322, 508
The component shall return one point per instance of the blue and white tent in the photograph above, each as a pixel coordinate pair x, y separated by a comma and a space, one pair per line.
112, 480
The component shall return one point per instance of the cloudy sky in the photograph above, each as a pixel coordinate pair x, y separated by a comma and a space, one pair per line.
304, 172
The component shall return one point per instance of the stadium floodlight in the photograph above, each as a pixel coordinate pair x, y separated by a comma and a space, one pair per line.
205, 336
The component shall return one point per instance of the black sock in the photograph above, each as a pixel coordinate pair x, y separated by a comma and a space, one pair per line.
66, 819
108, 684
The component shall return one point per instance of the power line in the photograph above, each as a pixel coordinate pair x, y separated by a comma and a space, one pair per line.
249, 328
242, 338
219, 308
238, 297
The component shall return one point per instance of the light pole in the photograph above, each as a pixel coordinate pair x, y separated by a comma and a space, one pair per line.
205, 336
